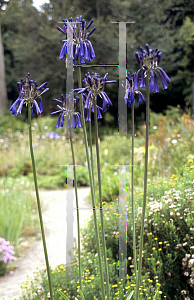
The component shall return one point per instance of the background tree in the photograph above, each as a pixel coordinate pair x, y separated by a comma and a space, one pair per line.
3, 90
32, 43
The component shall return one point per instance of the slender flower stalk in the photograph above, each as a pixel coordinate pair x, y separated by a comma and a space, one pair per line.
78, 222
67, 109
145, 188
132, 192
38, 202
93, 202
100, 198
148, 60
91, 152
130, 93
29, 91
94, 85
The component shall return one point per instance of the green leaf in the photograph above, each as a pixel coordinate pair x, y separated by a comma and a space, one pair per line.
95, 298
82, 295
63, 295
130, 295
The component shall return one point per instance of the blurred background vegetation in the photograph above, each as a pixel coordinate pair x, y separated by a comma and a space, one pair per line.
32, 44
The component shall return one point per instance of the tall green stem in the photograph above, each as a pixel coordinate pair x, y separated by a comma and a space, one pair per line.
38, 202
93, 195
91, 152
145, 186
76, 196
132, 192
100, 198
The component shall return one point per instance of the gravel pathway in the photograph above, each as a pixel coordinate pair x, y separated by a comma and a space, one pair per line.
54, 218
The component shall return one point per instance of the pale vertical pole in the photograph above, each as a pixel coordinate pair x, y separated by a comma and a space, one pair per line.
122, 222
122, 107
70, 191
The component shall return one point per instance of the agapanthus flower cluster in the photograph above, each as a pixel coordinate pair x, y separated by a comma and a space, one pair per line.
149, 61
67, 109
94, 85
130, 91
29, 92
80, 45
6, 251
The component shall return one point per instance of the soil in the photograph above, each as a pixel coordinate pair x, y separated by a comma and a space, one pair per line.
54, 218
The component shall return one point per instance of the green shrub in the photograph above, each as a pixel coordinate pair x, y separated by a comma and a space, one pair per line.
65, 279
168, 236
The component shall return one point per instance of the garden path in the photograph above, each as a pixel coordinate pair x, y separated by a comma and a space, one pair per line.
54, 208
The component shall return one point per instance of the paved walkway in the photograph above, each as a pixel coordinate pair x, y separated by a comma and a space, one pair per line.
54, 218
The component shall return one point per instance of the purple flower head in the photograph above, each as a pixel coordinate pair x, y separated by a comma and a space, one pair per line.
131, 91
79, 45
94, 85
67, 109
6, 251
149, 61
29, 92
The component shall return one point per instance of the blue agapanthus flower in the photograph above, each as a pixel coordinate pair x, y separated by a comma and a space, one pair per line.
94, 85
80, 45
149, 61
29, 92
67, 109
130, 91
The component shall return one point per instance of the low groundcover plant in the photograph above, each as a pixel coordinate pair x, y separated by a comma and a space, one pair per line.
6, 255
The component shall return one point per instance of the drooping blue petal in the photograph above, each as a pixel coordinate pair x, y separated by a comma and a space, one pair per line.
81, 47
107, 98
37, 108
142, 82
132, 97
88, 115
41, 105
99, 116
75, 121
62, 54
31, 111
87, 100
79, 119
85, 51
20, 106
165, 75
152, 81
156, 88
136, 80
164, 85
141, 97
92, 53
62, 119
58, 122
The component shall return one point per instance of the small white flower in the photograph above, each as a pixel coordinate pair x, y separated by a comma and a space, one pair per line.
45, 127
33, 128
174, 141
178, 135
35, 124
155, 127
